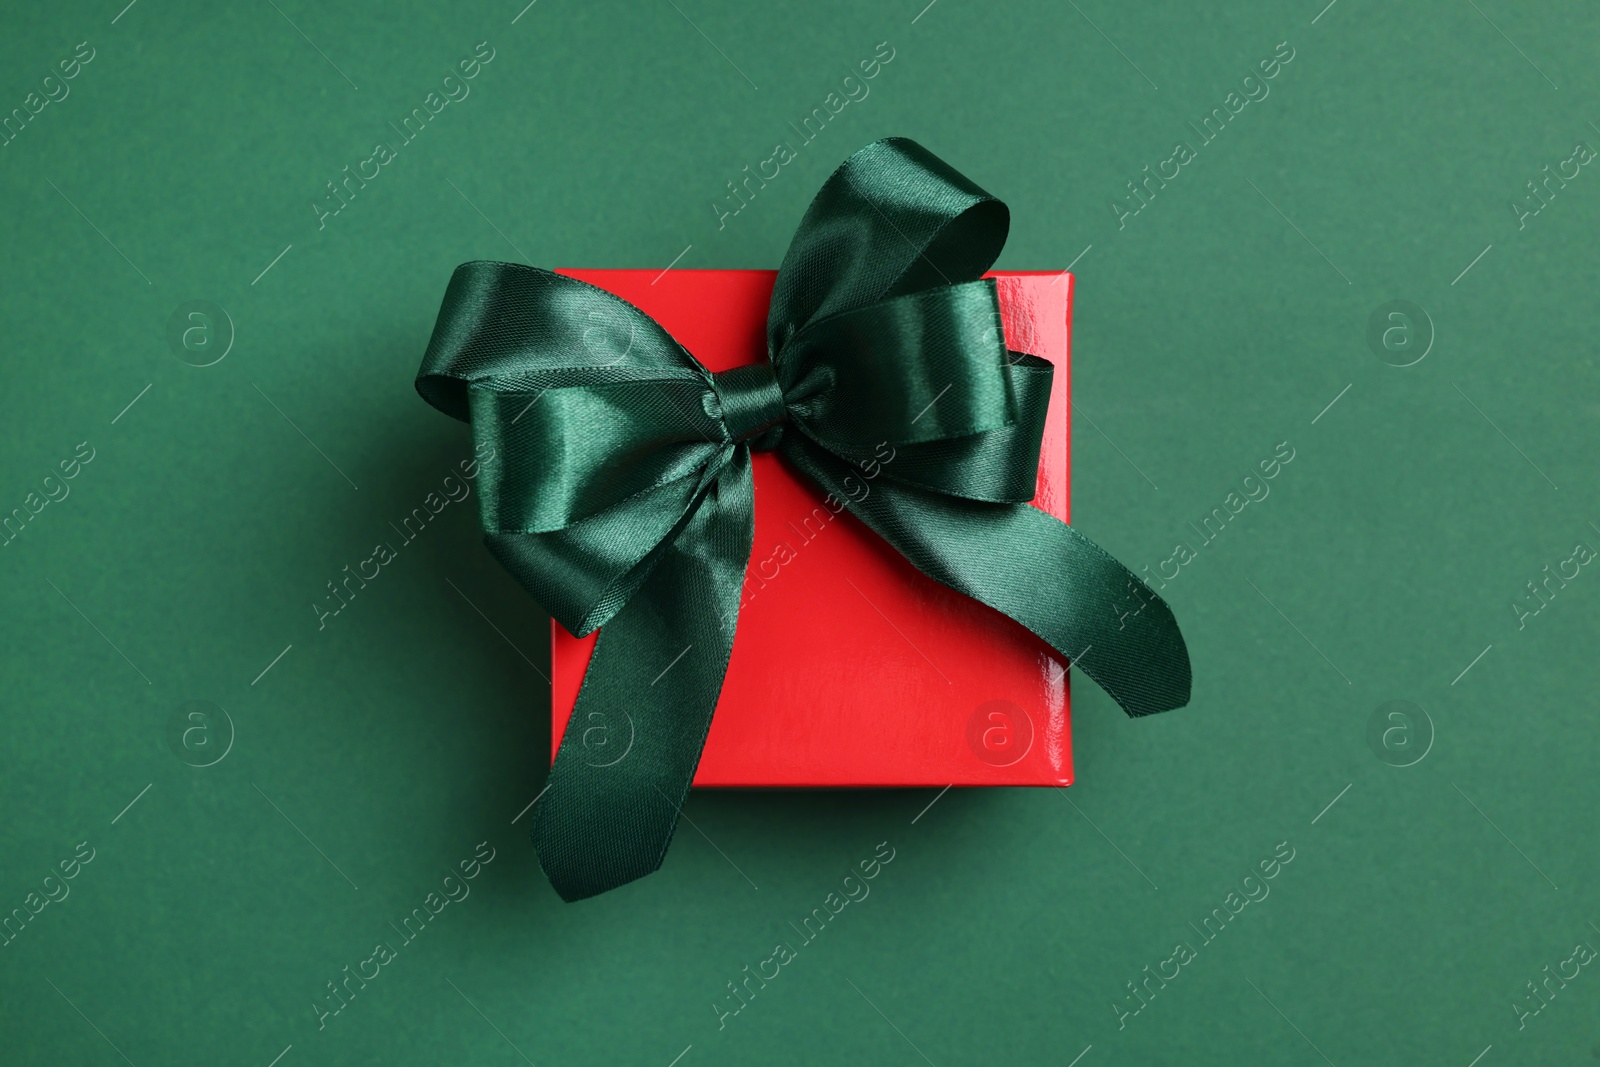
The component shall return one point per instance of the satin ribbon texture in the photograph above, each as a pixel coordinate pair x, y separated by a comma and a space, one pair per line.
619, 491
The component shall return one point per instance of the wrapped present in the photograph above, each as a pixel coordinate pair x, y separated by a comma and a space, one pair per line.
814, 547
850, 667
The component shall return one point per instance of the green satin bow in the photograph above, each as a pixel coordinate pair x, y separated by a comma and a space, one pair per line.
619, 492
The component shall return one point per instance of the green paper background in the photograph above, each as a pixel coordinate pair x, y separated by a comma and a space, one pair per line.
1219, 321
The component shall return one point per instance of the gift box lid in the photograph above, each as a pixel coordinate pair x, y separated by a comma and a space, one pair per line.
850, 668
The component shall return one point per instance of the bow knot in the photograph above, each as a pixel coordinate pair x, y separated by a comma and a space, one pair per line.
752, 405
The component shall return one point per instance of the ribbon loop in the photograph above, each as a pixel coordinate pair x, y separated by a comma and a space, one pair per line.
617, 487
920, 367
893, 219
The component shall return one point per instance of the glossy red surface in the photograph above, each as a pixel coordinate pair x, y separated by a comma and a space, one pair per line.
849, 667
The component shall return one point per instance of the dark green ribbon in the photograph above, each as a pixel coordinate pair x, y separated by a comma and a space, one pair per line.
619, 490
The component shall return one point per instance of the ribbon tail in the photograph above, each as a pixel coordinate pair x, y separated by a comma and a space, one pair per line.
609, 810
1033, 568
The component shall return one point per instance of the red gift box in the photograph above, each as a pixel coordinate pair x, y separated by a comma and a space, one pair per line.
850, 667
